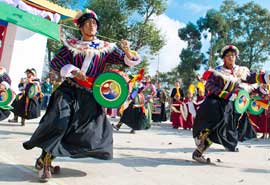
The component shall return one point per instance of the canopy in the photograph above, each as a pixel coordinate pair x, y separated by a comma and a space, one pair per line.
29, 21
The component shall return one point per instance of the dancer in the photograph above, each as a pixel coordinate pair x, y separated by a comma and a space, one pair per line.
5, 83
74, 124
215, 120
133, 110
27, 105
149, 91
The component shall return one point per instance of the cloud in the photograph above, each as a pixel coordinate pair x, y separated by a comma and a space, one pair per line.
196, 8
169, 55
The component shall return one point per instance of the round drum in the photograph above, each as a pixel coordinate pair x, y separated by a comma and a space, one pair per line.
242, 102
5, 99
254, 108
110, 90
32, 91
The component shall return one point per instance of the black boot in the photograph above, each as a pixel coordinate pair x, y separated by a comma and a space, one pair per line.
14, 120
23, 121
197, 156
117, 127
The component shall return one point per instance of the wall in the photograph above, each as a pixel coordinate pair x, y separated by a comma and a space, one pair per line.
24, 49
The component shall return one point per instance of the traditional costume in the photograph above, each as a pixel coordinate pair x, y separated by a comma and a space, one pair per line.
216, 118
179, 112
5, 83
178, 108
149, 91
191, 111
74, 124
28, 104
133, 110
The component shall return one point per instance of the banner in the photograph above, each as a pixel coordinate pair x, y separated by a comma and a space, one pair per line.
29, 21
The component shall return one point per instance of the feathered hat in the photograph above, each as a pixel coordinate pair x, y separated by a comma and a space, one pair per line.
31, 70
81, 17
229, 48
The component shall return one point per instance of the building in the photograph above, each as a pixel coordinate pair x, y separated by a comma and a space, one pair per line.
25, 26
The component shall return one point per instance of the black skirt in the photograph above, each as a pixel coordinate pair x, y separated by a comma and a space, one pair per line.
74, 125
134, 118
4, 114
33, 108
218, 116
245, 129
162, 116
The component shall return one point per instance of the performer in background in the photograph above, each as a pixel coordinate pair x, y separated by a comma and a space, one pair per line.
5, 83
215, 119
149, 91
74, 124
134, 115
27, 104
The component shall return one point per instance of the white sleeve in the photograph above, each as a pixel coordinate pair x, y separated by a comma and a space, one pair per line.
132, 62
5, 84
67, 69
267, 77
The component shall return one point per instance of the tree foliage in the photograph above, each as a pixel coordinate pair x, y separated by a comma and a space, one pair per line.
246, 26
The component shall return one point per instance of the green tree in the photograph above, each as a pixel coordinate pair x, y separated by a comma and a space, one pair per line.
215, 26
250, 32
191, 57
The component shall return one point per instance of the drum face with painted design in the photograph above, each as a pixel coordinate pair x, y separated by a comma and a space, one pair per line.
242, 101
110, 90
5, 99
32, 91
253, 107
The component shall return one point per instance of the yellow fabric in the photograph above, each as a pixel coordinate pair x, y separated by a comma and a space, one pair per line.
178, 92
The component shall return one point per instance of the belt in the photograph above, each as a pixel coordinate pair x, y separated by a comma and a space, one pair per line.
80, 83
87, 83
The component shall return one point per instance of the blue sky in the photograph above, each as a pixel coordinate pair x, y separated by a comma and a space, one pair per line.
191, 10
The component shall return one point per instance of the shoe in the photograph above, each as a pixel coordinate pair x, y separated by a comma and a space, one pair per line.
132, 131
197, 156
44, 174
13, 120
23, 122
232, 150
39, 165
115, 127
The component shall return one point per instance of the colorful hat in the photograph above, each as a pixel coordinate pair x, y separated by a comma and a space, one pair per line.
81, 17
228, 48
31, 70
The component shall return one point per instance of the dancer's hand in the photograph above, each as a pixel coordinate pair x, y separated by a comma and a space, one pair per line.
79, 74
2, 87
124, 45
233, 96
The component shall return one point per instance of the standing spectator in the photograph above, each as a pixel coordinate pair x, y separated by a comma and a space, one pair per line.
46, 89
177, 90
161, 98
